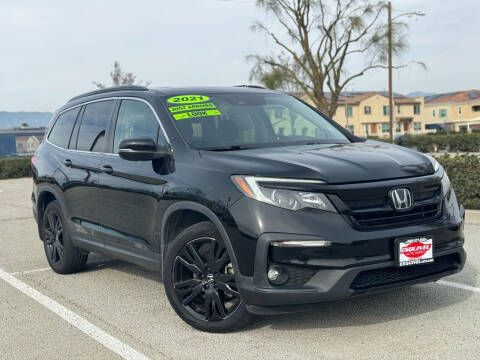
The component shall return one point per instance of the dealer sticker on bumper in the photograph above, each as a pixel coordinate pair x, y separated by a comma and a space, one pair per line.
415, 251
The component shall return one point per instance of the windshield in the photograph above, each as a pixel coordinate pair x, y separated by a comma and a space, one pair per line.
230, 121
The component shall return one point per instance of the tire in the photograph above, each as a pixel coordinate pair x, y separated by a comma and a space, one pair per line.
200, 283
63, 257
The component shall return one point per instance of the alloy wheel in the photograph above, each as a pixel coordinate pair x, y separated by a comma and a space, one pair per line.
204, 280
54, 238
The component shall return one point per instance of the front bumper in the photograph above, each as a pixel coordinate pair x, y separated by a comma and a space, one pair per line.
335, 284
344, 270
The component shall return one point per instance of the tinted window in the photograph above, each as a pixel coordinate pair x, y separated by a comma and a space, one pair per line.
216, 121
136, 119
91, 136
61, 131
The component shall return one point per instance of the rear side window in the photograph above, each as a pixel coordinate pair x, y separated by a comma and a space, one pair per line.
91, 136
62, 129
135, 119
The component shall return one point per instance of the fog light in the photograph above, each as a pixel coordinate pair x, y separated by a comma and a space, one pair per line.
276, 275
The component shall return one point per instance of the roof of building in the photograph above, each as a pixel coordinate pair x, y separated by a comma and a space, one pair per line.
24, 131
455, 97
355, 97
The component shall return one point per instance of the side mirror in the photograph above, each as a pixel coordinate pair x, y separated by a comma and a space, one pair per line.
141, 149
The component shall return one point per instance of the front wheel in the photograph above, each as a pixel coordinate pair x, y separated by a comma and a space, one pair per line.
200, 282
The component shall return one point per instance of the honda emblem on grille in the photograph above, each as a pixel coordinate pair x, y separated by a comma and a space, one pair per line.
402, 198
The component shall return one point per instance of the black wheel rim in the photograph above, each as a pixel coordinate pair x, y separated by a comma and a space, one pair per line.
204, 280
53, 230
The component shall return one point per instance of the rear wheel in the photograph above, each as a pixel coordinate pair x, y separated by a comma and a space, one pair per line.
200, 283
63, 257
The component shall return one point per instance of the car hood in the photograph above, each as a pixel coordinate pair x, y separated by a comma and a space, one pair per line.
339, 163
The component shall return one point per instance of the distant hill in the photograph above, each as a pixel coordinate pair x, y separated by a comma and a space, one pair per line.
9, 120
420, 93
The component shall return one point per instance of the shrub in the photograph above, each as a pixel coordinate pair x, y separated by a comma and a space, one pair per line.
377, 138
15, 167
452, 142
464, 174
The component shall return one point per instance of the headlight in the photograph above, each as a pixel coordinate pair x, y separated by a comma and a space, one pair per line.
434, 162
287, 199
446, 185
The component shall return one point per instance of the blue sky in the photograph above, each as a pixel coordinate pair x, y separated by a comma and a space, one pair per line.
53, 50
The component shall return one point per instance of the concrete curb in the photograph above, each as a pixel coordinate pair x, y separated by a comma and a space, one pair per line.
472, 217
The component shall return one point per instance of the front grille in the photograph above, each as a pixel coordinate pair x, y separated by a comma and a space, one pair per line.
297, 275
372, 208
392, 275
376, 219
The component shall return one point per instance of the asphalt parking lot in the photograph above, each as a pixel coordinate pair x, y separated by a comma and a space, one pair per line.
114, 310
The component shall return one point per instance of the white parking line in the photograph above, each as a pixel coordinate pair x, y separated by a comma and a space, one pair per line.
458, 286
99, 264
125, 351
29, 271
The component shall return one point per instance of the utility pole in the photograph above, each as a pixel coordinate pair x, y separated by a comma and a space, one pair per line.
346, 106
390, 86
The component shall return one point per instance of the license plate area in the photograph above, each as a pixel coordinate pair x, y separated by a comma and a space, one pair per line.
414, 251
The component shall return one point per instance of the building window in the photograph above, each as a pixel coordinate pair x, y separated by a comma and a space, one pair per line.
442, 113
417, 126
433, 113
386, 110
385, 127
398, 109
416, 109
459, 110
367, 110
349, 111
476, 108
351, 128
366, 128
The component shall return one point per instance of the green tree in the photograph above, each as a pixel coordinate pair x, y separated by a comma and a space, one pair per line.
119, 78
324, 45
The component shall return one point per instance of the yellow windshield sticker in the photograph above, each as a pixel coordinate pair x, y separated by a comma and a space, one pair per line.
192, 107
193, 114
187, 99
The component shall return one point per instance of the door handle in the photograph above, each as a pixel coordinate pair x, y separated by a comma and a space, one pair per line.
107, 169
67, 163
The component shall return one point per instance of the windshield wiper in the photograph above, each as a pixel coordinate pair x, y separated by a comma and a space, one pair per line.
323, 143
227, 148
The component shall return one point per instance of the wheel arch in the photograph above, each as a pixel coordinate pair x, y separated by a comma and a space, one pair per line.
204, 214
46, 194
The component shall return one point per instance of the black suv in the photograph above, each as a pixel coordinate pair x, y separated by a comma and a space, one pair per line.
249, 201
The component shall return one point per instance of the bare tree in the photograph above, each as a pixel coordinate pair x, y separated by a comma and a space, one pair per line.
119, 77
328, 44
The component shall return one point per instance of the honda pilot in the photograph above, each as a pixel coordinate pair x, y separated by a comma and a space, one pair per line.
248, 201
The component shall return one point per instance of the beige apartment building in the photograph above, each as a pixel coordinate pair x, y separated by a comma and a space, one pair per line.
457, 111
366, 113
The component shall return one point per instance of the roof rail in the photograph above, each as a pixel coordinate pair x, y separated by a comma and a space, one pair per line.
110, 89
250, 86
